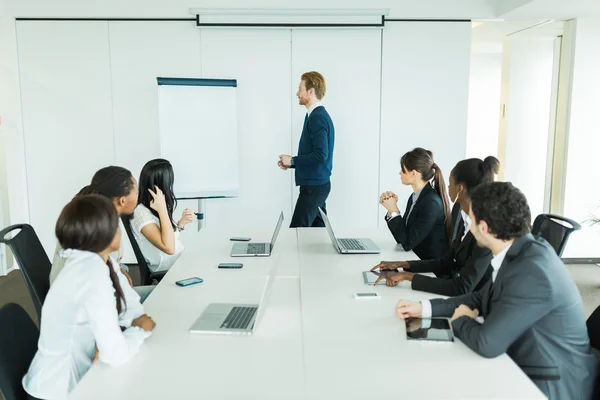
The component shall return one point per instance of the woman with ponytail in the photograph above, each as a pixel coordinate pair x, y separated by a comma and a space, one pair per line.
425, 226
87, 305
466, 266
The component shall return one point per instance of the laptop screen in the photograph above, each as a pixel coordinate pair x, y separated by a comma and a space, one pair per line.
329, 229
276, 233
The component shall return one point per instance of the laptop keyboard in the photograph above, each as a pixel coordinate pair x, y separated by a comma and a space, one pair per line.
351, 244
257, 248
239, 317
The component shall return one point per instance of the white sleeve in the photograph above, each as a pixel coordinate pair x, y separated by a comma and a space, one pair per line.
426, 313
114, 347
142, 217
132, 308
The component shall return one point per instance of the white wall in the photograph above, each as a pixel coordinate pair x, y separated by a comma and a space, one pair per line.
67, 113
350, 60
12, 152
528, 116
583, 174
484, 105
89, 100
425, 87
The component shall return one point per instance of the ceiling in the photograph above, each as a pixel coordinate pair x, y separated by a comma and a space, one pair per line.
545, 9
498, 31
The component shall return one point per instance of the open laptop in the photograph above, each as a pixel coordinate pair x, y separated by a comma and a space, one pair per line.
257, 249
349, 246
234, 319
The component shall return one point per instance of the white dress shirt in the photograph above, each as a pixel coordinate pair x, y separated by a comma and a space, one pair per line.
78, 316
157, 259
58, 262
467, 222
496, 264
312, 108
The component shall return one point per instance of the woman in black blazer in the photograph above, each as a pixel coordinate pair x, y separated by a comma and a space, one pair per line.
425, 226
466, 266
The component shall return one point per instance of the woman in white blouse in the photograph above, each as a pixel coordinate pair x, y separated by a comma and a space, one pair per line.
153, 225
87, 305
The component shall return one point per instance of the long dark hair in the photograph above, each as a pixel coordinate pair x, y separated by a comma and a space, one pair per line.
473, 172
112, 182
89, 223
158, 172
421, 160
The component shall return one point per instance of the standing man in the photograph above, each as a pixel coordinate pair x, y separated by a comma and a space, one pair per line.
314, 161
531, 307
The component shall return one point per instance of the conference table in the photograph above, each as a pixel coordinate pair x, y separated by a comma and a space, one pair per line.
314, 341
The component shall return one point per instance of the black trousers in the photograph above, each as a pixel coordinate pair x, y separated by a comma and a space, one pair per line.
306, 213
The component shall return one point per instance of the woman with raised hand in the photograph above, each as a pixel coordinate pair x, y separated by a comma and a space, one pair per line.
153, 225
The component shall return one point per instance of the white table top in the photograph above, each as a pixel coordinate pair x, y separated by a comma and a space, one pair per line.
358, 348
314, 342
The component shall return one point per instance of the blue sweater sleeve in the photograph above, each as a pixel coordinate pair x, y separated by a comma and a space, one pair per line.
318, 130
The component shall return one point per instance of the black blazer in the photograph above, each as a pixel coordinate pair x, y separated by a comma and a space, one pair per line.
464, 268
425, 231
534, 313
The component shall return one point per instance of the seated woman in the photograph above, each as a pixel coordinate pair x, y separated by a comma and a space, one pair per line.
425, 226
87, 304
153, 226
119, 185
466, 266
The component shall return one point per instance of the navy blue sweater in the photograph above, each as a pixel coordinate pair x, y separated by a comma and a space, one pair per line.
314, 161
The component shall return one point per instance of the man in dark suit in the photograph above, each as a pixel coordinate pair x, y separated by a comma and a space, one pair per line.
532, 309
314, 162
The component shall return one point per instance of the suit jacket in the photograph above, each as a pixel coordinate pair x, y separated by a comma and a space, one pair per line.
465, 266
533, 312
425, 231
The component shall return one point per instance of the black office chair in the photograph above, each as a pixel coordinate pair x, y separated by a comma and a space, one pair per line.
18, 344
147, 277
32, 260
593, 327
555, 230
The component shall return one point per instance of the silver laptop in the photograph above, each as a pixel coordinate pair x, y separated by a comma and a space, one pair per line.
349, 246
257, 249
234, 319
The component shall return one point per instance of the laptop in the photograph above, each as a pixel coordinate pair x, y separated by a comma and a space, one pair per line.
234, 319
349, 246
257, 249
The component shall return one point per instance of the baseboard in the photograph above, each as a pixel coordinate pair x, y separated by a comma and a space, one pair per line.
581, 260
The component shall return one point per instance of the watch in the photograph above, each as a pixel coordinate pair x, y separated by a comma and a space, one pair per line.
179, 228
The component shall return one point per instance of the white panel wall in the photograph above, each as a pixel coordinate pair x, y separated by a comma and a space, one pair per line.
484, 105
67, 113
89, 95
528, 116
350, 61
425, 88
582, 195
260, 61
139, 53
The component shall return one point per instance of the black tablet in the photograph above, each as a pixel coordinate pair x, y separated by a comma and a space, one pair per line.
436, 329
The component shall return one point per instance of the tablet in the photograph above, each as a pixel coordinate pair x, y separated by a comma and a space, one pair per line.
369, 277
434, 329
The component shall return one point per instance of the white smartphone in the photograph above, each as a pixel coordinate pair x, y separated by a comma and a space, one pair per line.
367, 296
